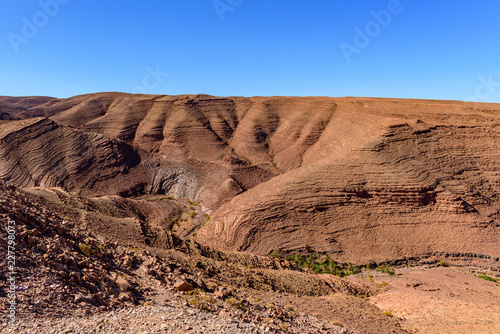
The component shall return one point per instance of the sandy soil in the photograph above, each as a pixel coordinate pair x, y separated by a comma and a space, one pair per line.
441, 300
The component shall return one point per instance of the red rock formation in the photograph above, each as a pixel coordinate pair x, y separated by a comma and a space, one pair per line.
361, 178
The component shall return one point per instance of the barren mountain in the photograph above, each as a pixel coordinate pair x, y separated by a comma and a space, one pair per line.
362, 178
319, 181
418, 189
11, 106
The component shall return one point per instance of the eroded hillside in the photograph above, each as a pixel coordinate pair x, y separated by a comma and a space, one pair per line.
363, 179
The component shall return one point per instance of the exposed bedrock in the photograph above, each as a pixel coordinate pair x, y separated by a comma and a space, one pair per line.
40, 152
361, 178
410, 193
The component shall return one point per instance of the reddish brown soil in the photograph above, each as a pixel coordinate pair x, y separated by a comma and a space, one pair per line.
441, 300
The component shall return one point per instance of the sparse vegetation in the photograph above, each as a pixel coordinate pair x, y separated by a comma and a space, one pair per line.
276, 254
87, 250
321, 266
237, 304
488, 278
201, 301
386, 269
443, 264
388, 313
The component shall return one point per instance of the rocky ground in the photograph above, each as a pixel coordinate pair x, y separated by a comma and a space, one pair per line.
170, 318
71, 280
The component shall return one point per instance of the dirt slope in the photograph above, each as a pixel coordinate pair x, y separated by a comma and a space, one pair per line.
441, 300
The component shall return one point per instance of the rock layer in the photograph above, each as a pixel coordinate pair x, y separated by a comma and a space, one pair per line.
40, 152
359, 178
412, 192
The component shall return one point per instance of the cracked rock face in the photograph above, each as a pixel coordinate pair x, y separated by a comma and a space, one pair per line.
180, 182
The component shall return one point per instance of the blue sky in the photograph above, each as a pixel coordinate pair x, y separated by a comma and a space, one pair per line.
415, 49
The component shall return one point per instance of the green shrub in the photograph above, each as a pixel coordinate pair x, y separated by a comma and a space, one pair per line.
488, 278
323, 265
299, 259
386, 269
276, 254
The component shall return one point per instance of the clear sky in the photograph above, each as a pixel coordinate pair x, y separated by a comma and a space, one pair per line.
409, 48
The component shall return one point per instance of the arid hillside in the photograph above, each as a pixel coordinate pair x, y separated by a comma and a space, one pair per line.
362, 179
141, 212
40, 152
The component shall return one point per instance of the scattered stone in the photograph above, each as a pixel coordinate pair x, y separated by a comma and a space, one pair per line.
182, 285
